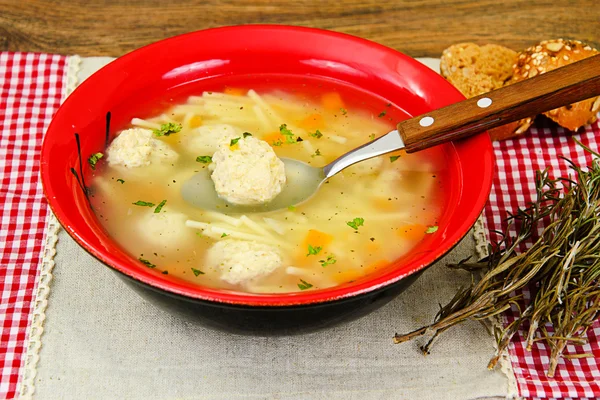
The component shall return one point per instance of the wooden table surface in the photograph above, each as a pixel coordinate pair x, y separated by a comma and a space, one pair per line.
416, 27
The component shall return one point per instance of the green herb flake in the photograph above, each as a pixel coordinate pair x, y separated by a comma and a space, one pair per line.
277, 143
303, 285
330, 260
94, 158
234, 141
292, 208
204, 159
143, 203
344, 111
382, 114
147, 263
165, 272
289, 136
313, 251
394, 158
246, 134
317, 134
355, 223
121, 181
372, 136
432, 229
167, 129
317, 153
224, 235
160, 206
197, 272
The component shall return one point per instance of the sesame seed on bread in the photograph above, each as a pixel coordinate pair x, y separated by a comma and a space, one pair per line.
551, 54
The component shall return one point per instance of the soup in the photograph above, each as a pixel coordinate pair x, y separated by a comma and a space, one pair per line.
357, 223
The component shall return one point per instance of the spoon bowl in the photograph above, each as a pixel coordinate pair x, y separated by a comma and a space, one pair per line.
302, 182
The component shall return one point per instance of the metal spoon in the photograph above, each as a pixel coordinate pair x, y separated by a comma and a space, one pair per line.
557, 88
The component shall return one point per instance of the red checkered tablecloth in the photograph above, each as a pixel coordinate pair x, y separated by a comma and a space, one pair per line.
514, 186
31, 88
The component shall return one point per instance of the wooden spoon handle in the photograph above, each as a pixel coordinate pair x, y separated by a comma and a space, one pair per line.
557, 88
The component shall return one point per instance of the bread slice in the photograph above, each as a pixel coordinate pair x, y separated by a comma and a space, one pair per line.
475, 70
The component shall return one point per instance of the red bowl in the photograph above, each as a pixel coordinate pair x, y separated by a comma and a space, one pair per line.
171, 68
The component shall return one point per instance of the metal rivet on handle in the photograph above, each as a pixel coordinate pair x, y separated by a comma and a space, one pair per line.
484, 102
426, 121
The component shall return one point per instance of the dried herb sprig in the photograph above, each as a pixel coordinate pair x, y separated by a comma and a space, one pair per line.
561, 268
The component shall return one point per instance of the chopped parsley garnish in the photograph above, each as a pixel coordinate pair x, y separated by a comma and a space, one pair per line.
204, 159
246, 134
146, 263
344, 111
382, 114
224, 234
317, 134
197, 272
394, 158
167, 129
355, 223
121, 181
372, 136
234, 141
160, 206
313, 251
94, 159
289, 136
277, 143
330, 260
292, 208
303, 285
317, 153
432, 229
143, 203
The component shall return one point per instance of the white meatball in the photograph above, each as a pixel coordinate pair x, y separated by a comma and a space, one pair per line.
166, 231
205, 140
241, 261
248, 172
137, 147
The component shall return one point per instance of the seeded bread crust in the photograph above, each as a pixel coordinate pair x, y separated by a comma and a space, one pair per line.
552, 54
475, 70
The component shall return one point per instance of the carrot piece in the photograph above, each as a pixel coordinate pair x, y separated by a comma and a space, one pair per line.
384, 204
312, 122
235, 91
275, 137
332, 101
195, 121
412, 232
317, 239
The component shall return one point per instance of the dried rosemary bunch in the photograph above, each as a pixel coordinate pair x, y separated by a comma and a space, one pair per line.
561, 269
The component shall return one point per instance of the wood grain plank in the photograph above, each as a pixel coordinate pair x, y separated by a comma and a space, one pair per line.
416, 27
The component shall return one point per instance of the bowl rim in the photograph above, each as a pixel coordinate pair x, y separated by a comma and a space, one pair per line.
283, 299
